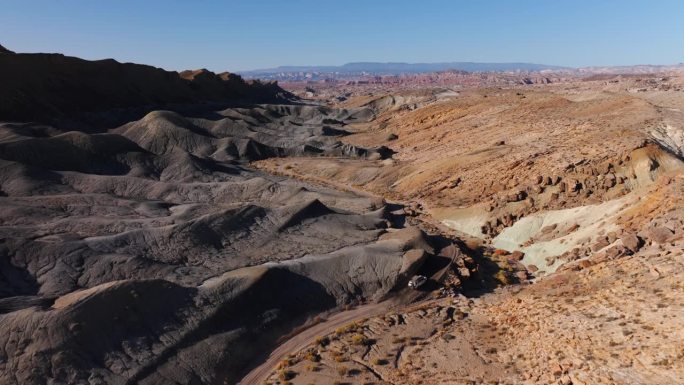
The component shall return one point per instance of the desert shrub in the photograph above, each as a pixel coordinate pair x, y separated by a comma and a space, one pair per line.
323, 341
352, 327
359, 339
312, 356
286, 375
502, 277
342, 370
380, 361
339, 357
287, 362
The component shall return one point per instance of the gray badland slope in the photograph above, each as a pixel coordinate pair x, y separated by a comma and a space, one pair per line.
153, 254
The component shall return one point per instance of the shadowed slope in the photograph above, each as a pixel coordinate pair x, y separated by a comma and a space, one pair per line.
53, 86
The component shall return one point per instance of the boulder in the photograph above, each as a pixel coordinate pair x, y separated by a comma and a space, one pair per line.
605, 168
659, 234
521, 275
632, 242
572, 228
508, 220
609, 182
616, 252
517, 255
556, 369
575, 185
516, 196
600, 244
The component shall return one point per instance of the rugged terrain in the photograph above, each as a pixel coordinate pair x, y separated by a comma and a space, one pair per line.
193, 228
580, 183
127, 251
158, 229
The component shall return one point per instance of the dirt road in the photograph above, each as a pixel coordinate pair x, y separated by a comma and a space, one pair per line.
259, 374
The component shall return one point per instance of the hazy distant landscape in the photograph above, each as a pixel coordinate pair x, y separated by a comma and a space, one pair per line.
356, 71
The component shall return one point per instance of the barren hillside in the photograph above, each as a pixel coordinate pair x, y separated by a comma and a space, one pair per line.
579, 184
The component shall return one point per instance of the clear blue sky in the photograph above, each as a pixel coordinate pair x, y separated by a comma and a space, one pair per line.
249, 34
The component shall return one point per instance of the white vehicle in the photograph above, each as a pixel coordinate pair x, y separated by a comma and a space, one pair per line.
417, 281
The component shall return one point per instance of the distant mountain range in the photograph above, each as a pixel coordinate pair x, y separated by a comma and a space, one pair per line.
373, 68
364, 69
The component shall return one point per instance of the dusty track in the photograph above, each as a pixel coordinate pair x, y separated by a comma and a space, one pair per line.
298, 342
301, 340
